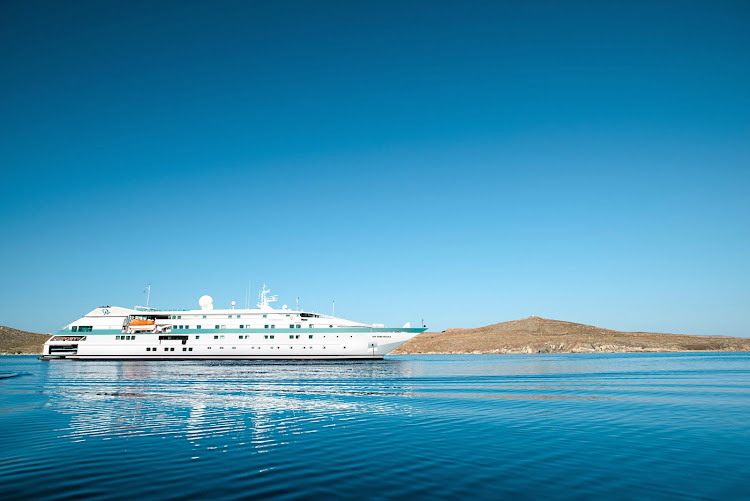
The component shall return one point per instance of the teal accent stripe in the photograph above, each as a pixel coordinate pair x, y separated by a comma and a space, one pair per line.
334, 330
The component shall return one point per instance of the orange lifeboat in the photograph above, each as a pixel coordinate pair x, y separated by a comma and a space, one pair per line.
138, 321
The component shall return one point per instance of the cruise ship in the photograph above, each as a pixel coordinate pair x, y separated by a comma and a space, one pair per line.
115, 333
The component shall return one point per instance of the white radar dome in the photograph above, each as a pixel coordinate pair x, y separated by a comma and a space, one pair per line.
206, 303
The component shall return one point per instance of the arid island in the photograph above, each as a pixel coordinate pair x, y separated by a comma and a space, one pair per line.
528, 335
543, 335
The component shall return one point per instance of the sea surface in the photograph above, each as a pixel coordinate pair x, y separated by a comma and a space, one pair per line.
620, 426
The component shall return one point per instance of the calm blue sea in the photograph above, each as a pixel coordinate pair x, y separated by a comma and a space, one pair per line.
624, 426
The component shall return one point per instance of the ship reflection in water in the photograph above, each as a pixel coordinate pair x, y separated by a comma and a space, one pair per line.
660, 426
260, 404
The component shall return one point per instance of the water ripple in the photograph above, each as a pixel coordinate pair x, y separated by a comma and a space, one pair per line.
552, 426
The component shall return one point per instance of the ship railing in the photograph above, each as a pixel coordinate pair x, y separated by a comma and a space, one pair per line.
68, 338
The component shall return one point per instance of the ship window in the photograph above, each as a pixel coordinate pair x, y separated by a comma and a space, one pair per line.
74, 328
310, 326
273, 326
204, 316
242, 326
223, 326
331, 326
266, 326
217, 327
148, 349
84, 328
230, 316
299, 326
238, 316
197, 326
265, 337
310, 336
171, 349
221, 347
265, 316
234, 347
271, 336
117, 338
197, 337
132, 338
190, 349
291, 326
166, 349
184, 349
216, 337
222, 337
291, 336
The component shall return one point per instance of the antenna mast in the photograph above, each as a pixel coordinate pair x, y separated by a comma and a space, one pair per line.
147, 290
265, 298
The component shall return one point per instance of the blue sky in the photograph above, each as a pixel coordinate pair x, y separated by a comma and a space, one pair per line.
462, 162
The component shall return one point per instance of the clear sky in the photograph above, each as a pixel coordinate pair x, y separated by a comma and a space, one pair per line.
462, 162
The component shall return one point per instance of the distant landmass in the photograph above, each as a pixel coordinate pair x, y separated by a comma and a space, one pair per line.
529, 335
15, 342
543, 335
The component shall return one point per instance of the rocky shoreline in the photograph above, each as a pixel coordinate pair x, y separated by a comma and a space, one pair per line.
17, 342
542, 335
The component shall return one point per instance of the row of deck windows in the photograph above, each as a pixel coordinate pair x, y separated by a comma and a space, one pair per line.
175, 317
169, 349
242, 326
291, 336
81, 328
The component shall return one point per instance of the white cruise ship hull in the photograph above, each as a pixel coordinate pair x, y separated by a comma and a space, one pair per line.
336, 344
114, 333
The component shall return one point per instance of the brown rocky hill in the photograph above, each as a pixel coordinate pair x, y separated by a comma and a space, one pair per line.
15, 342
542, 335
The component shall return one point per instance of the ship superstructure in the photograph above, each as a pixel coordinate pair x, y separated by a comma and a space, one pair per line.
112, 332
